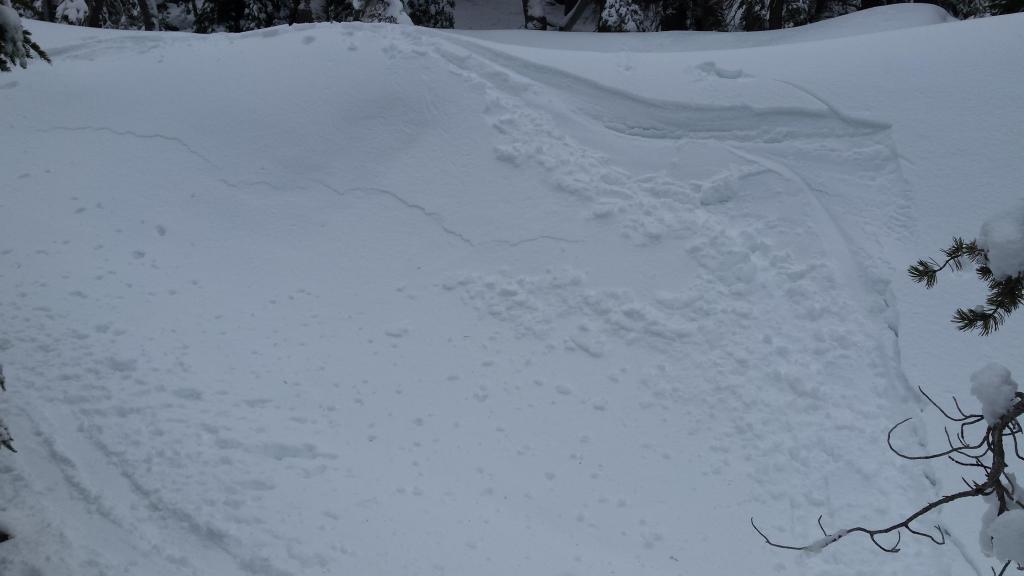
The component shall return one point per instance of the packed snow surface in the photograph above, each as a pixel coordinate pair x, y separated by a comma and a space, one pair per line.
995, 389
1002, 238
382, 300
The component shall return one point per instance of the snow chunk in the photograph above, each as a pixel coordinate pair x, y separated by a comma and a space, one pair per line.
1003, 238
994, 387
1007, 532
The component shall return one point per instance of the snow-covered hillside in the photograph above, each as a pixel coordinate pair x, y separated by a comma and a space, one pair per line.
380, 300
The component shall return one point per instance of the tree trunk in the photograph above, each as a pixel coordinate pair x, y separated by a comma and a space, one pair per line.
820, 9
147, 15
574, 13
95, 19
775, 14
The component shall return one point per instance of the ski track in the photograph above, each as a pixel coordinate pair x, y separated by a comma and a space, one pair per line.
742, 130
104, 506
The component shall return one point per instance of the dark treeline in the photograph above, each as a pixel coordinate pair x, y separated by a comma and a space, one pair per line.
603, 15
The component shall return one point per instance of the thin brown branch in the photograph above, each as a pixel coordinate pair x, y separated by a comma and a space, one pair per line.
873, 533
943, 412
930, 456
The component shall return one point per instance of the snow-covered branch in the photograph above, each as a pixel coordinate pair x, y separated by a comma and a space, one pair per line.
16, 44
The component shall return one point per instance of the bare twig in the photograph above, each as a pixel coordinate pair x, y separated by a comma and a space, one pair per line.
997, 480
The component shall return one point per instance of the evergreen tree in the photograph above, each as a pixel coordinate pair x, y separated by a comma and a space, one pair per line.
16, 48
34, 9
119, 14
705, 15
1000, 7
338, 11
204, 16
300, 11
432, 13
258, 14
630, 16
386, 11
753, 15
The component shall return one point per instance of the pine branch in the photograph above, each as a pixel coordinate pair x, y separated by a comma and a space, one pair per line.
33, 47
1005, 294
927, 271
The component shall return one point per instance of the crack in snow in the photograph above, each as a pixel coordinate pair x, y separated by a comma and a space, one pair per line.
439, 219
542, 237
134, 134
241, 184
434, 216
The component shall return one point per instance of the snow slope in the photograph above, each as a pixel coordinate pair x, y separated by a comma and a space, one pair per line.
369, 299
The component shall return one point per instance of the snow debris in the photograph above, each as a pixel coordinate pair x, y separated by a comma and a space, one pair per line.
1003, 238
994, 387
1007, 532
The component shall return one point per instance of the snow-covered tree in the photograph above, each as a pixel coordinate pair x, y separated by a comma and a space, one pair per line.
630, 16
387, 11
707, 15
338, 11
1006, 6
258, 14
980, 440
432, 13
16, 44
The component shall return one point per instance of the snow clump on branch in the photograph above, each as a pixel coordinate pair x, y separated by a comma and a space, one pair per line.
995, 388
1002, 238
1007, 532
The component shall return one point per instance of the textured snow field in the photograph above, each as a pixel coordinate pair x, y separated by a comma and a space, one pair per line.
378, 300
